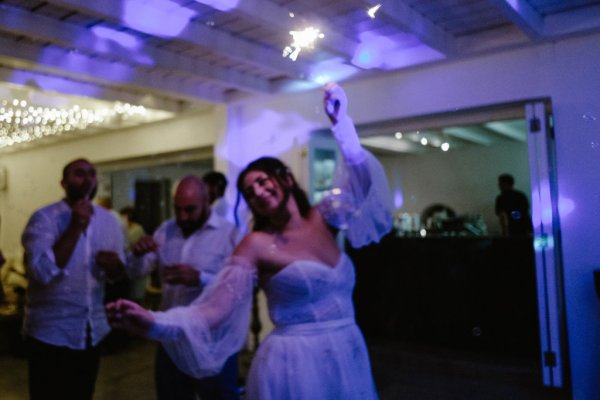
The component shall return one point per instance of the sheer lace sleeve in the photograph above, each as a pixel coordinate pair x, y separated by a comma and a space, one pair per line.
200, 337
360, 202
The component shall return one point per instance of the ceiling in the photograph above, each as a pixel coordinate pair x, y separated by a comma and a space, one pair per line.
176, 55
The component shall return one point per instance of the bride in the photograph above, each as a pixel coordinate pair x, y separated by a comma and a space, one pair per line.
316, 350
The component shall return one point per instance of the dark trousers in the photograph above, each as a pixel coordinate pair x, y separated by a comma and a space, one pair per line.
61, 373
172, 384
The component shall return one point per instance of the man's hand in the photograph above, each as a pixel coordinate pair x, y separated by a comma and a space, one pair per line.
129, 316
110, 263
183, 274
81, 214
145, 244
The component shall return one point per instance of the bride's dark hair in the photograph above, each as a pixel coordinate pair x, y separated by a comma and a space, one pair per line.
277, 170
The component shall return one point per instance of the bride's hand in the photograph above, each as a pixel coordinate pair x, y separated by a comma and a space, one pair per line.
335, 102
129, 316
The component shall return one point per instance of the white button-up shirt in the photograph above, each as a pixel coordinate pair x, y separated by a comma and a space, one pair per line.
206, 250
62, 302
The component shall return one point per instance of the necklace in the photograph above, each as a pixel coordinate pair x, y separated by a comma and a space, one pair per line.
278, 241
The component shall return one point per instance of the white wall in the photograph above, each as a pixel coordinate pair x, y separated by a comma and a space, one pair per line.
34, 175
568, 72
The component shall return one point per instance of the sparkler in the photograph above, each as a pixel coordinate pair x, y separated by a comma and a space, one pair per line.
371, 11
302, 40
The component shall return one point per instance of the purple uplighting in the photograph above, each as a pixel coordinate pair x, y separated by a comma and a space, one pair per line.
221, 5
157, 17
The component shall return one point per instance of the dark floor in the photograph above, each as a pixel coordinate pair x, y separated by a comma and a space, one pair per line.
420, 372
401, 371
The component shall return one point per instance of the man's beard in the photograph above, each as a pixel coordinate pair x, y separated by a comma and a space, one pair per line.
77, 194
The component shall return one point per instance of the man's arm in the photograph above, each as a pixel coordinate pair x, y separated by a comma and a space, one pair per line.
81, 214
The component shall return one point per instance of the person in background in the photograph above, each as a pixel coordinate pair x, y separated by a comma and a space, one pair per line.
133, 232
217, 183
316, 350
71, 248
512, 208
133, 229
189, 250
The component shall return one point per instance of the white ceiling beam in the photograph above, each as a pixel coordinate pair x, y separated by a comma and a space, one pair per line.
492, 40
470, 134
389, 143
400, 13
80, 67
21, 22
520, 13
50, 83
516, 130
73, 36
267, 12
198, 34
580, 21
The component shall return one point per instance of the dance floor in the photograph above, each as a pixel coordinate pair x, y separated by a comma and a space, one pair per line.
402, 371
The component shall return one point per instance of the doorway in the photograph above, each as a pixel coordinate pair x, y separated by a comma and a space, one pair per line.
484, 306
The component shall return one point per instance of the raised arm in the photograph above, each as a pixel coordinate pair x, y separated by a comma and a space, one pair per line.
360, 202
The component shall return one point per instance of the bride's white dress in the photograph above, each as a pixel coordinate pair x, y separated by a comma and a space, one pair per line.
316, 350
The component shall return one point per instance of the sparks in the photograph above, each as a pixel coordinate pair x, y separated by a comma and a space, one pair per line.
371, 11
302, 40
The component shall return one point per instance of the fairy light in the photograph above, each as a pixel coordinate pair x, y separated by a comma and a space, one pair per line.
21, 123
302, 40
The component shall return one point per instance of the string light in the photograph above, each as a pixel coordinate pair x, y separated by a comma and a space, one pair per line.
21, 123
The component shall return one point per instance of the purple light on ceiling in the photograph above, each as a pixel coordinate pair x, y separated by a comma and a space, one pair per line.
372, 50
122, 38
334, 70
157, 17
50, 83
222, 5
375, 51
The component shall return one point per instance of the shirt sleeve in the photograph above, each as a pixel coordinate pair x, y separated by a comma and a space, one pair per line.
360, 202
38, 239
199, 338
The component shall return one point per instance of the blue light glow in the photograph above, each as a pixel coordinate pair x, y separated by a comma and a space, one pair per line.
334, 70
565, 206
398, 195
269, 133
398, 198
157, 17
541, 242
375, 51
371, 50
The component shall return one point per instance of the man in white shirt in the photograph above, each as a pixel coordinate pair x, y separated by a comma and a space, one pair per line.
189, 250
71, 247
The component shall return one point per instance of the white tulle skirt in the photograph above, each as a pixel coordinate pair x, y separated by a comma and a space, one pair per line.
312, 361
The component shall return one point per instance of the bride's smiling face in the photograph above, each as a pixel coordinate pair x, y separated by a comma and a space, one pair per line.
263, 193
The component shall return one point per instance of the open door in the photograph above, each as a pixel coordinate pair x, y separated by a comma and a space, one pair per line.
548, 260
